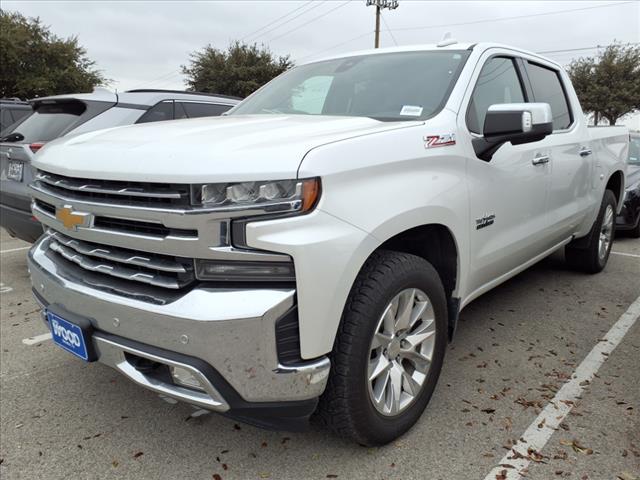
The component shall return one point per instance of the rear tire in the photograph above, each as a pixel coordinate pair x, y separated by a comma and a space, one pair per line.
358, 407
635, 232
592, 256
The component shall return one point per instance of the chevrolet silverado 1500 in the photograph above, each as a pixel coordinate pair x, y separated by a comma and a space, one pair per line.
311, 251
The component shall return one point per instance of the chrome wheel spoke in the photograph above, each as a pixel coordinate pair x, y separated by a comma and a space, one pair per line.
405, 309
389, 318
410, 385
420, 361
418, 311
380, 391
426, 330
377, 366
395, 377
380, 340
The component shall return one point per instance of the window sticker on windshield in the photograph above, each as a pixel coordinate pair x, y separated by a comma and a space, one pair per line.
411, 111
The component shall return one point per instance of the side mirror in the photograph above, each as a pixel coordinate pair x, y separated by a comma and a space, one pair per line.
513, 122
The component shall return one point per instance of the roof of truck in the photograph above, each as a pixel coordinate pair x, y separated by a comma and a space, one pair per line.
446, 45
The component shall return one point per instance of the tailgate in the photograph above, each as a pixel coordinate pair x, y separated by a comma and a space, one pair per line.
15, 193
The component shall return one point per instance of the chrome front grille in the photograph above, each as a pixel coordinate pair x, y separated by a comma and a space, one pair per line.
126, 244
157, 270
123, 225
112, 191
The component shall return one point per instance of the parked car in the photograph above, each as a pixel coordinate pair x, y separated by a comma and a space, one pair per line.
629, 218
12, 110
311, 251
67, 115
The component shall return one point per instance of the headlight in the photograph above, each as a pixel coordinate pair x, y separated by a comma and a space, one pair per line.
297, 195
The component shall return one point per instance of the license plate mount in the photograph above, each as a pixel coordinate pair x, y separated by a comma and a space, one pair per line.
72, 336
15, 170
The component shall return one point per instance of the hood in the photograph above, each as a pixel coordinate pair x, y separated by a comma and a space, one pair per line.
230, 148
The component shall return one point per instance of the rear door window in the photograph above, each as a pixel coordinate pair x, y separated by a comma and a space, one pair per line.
498, 83
195, 110
547, 88
158, 113
178, 111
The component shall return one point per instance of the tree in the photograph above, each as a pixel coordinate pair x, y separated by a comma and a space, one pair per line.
34, 62
238, 71
609, 85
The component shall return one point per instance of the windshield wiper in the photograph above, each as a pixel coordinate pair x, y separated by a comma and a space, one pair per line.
12, 137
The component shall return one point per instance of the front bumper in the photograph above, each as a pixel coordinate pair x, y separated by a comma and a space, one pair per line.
227, 335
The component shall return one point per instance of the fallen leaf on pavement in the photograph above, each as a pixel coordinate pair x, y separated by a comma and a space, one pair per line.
576, 446
626, 476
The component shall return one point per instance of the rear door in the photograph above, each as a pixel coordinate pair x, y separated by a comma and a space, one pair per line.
508, 194
571, 165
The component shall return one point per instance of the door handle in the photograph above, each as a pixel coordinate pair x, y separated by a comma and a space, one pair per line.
540, 160
585, 152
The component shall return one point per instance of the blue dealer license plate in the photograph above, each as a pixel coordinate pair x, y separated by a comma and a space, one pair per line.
68, 336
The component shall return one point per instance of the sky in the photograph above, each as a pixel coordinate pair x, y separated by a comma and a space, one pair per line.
142, 44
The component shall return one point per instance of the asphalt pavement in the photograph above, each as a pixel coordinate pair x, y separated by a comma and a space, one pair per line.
515, 348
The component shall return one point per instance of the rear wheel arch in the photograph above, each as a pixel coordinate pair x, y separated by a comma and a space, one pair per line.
616, 185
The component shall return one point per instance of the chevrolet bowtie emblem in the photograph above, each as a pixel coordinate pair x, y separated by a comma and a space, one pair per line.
72, 220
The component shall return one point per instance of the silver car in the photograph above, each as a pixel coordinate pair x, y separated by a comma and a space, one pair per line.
63, 115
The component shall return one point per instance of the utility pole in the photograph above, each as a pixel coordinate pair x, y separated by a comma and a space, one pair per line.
380, 4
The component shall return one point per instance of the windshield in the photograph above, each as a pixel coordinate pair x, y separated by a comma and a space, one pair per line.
634, 150
388, 86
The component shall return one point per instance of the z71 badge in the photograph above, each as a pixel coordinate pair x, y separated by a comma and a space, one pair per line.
432, 141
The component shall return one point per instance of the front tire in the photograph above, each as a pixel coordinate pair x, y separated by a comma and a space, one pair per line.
592, 256
388, 351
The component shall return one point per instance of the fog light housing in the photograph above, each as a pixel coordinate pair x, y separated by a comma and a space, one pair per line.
185, 377
243, 271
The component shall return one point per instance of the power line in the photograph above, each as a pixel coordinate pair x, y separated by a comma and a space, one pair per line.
316, 5
388, 29
585, 48
164, 77
310, 21
499, 19
277, 19
337, 45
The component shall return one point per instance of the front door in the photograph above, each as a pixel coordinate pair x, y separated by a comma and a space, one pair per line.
508, 194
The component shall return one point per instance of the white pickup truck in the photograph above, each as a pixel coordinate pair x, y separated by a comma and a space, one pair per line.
311, 251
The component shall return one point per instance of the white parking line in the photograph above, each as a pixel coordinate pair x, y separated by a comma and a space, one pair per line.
539, 432
15, 249
37, 339
626, 254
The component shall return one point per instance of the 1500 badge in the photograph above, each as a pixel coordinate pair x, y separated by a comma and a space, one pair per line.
485, 221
